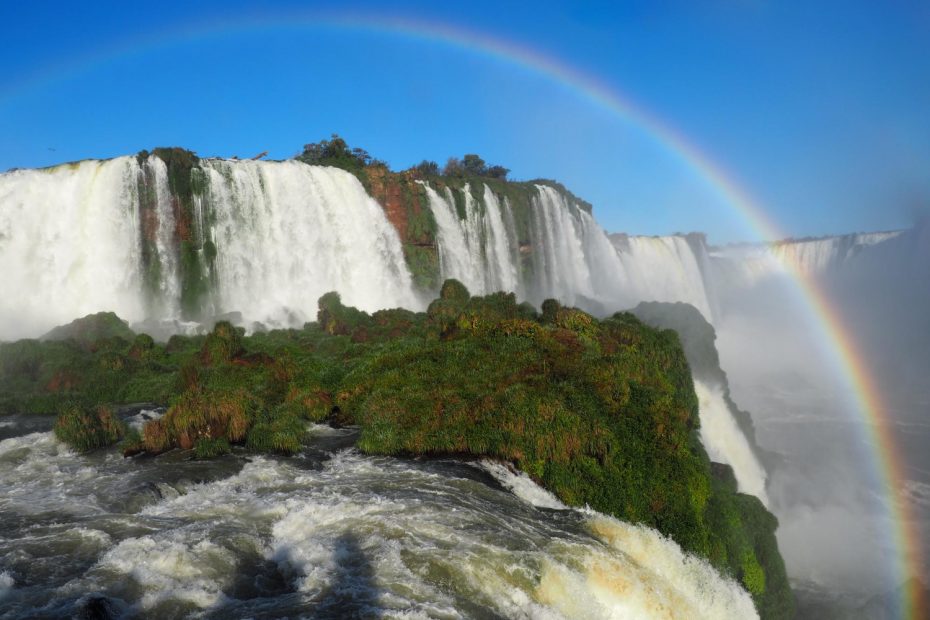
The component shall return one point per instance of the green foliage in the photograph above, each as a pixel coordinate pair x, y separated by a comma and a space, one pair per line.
207, 448
697, 337
454, 291
195, 289
223, 344
426, 169
86, 429
743, 545
550, 310
423, 263
335, 152
281, 433
472, 165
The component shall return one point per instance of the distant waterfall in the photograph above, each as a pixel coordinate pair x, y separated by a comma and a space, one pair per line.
726, 443
566, 255
667, 269
475, 248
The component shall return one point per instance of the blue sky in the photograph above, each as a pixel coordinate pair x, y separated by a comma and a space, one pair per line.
820, 110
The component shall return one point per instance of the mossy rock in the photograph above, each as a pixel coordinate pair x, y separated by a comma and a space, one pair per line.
92, 329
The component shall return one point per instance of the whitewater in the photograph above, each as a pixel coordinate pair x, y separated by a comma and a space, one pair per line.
326, 534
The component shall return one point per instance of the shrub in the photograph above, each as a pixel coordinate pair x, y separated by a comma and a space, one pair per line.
281, 432
208, 448
88, 429
223, 344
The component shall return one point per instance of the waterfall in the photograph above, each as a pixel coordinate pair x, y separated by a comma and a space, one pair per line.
266, 239
499, 252
666, 269
477, 248
570, 257
726, 443
286, 233
69, 245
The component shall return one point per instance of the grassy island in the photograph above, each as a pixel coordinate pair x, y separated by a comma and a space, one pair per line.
600, 412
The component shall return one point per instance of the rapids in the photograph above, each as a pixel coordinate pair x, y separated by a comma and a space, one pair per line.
326, 534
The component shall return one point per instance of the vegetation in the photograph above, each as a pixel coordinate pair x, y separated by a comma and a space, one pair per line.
102, 327
335, 152
601, 413
186, 182
697, 338
472, 165
88, 429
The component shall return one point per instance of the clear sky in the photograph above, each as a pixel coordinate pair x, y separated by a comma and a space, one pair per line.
819, 110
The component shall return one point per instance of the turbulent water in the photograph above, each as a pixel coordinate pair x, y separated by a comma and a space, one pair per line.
328, 534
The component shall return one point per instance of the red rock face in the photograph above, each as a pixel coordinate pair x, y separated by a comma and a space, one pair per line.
387, 191
149, 224
388, 188
183, 226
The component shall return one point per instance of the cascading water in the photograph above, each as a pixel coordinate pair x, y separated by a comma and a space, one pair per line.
666, 269
286, 233
477, 249
104, 236
69, 245
726, 443
569, 257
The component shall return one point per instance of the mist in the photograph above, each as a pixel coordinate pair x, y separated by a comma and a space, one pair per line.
835, 519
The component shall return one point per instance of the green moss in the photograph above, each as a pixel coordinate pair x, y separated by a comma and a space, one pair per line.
132, 443
92, 329
423, 263
751, 574
223, 344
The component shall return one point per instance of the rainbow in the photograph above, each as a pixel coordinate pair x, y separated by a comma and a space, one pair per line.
848, 357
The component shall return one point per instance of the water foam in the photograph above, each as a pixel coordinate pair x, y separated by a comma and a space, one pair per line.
521, 485
364, 535
68, 245
641, 574
7, 584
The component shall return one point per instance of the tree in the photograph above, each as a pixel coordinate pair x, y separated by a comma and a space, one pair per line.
474, 165
498, 172
427, 168
454, 168
335, 152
